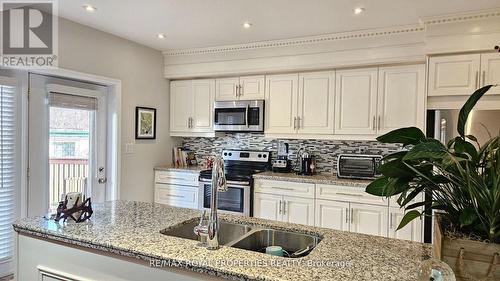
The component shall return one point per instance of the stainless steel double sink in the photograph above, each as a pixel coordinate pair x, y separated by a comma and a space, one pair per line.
252, 238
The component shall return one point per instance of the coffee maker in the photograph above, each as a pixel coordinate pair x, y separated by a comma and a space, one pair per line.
282, 163
307, 164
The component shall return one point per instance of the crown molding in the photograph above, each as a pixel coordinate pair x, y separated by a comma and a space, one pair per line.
460, 17
298, 41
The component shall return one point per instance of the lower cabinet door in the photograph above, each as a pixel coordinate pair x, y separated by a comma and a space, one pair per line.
412, 231
298, 210
369, 219
332, 214
267, 206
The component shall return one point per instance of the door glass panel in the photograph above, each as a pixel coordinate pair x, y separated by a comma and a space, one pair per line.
231, 200
69, 152
230, 116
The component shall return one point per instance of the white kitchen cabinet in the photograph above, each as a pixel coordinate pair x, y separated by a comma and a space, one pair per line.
412, 231
332, 214
191, 107
181, 103
298, 210
401, 98
281, 103
356, 102
490, 72
454, 75
177, 188
267, 206
240, 88
369, 219
316, 103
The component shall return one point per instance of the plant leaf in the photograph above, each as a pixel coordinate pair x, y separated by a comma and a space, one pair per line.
431, 148
408, 217
467, 217
396, 169
467, 108
404, 136
462, 146
378, 186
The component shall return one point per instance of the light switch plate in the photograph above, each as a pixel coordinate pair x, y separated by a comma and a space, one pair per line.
129, 148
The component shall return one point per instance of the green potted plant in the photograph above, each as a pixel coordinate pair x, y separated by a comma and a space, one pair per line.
464, 181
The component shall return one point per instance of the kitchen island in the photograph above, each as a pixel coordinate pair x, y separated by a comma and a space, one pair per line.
123, 241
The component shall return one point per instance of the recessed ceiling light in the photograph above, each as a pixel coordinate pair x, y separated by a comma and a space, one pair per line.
358, 10
161, 36
247, 25
90, 8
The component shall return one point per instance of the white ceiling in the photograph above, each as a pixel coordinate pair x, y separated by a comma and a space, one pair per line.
204, 23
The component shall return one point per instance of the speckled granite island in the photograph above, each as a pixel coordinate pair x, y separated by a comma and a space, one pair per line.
123, 238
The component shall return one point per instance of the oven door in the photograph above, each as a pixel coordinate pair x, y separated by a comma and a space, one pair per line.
239, 116
236, 200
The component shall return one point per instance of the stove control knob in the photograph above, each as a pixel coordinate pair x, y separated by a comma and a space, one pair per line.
225, 153
260, 155
265, 156
230, 154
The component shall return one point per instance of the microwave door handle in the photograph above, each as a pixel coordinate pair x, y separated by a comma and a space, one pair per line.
246, 116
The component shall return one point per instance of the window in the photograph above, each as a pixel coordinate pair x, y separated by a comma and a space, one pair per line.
64, 149
8, 181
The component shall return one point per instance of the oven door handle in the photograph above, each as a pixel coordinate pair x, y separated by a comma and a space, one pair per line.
229, 183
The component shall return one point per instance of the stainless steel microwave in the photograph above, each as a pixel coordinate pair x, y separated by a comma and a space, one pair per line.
242, 116
357, 166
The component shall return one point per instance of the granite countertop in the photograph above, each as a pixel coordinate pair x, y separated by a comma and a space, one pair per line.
188, 169
132, 229
318, 178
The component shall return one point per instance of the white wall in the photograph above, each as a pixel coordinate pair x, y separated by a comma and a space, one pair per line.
140, 69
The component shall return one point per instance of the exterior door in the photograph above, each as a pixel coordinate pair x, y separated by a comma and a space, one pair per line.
356, 102
281, 103
316, 102
67, 141
203, 104
267, 206
298, 210
490, 72
181, 105
369, 219
454, 75
332, 214
226, 89
401, 97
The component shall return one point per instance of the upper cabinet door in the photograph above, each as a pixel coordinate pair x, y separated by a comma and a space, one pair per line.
490, 72
401, 97
356, 102
226, 89
252, 87
369, 219
316, 102
181, 105
203, 95
281, 103
454, 75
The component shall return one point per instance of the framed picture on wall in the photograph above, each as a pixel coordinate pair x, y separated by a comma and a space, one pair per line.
145, 123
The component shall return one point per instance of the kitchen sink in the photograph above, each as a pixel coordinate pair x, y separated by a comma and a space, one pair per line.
252, 238
295, 244
228, 232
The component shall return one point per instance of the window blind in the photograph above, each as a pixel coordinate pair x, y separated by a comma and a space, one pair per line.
72, 101
7, 169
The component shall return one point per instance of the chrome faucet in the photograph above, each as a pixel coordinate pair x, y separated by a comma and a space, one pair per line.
210, 231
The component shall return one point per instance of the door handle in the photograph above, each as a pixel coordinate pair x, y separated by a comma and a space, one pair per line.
241, 90
477, 79
102, 180
484, 78
298, 123
346, 215
295, 123
279, 209
374, 123
352, 215
379, 122
284, 207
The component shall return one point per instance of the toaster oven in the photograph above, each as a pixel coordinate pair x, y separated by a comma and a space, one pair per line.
358, 166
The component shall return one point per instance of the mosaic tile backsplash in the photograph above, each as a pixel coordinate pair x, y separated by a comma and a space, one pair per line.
325, 151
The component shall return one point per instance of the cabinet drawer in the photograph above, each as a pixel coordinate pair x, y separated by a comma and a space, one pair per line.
175, 195
348, 194
304, 190
181, 178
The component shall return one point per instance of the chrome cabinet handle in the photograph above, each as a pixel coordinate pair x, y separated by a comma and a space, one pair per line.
390, 221
349, 194
379, 122
374, 122
295, 123
346, 215
284, 188
241, 90
236, 90
484, 78
477, 79
173, 195
284, 207
352, 215
298, 123
279, 209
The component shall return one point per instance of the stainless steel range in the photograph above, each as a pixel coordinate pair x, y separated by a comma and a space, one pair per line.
239, 167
